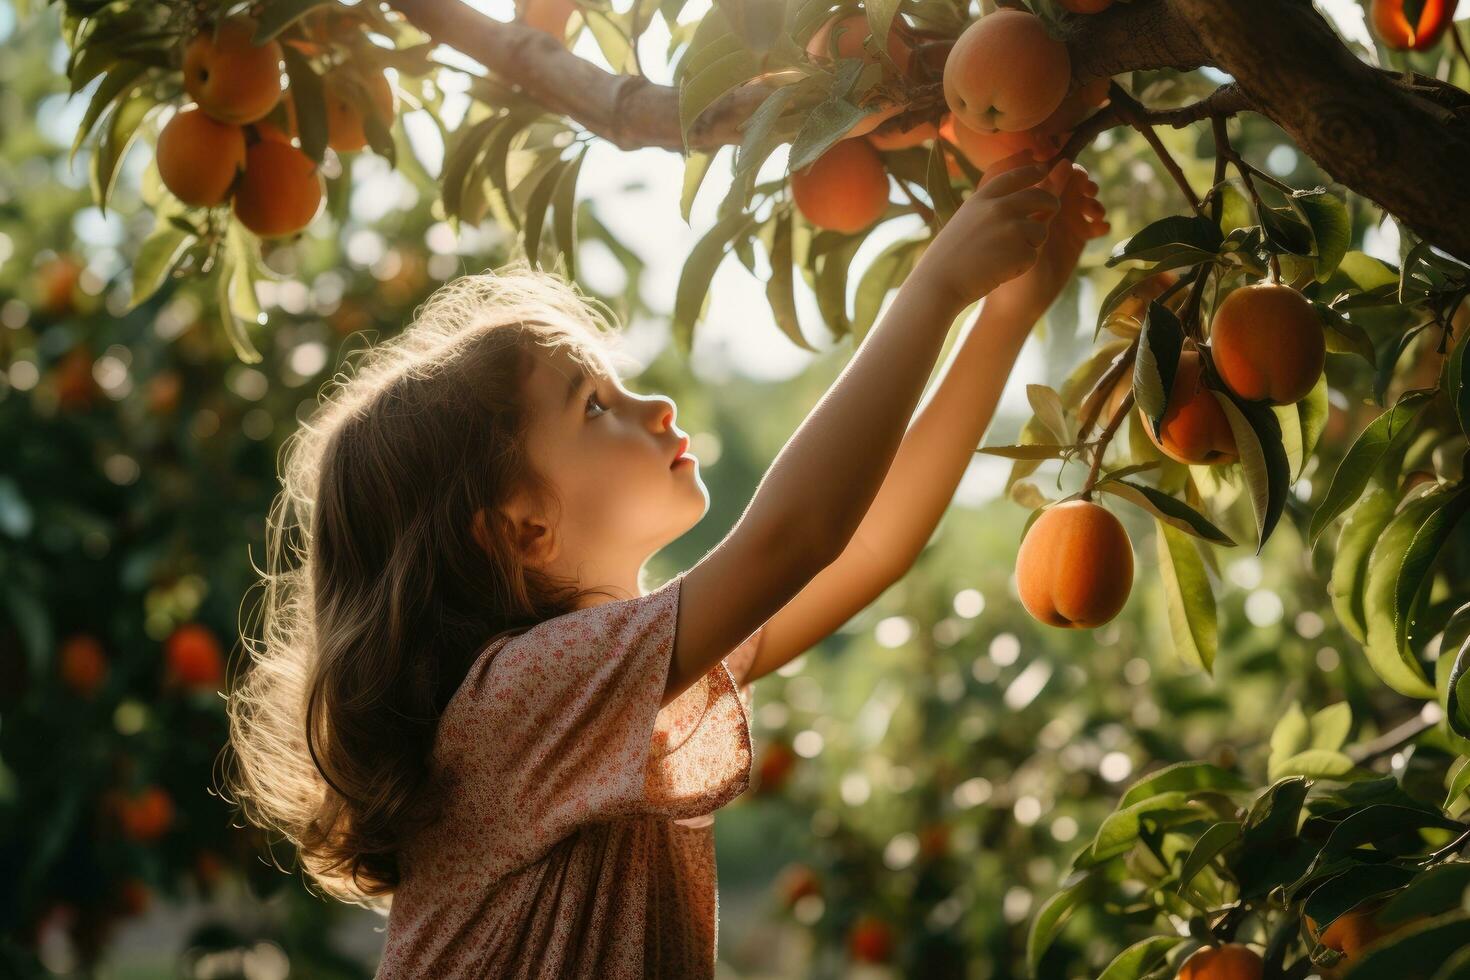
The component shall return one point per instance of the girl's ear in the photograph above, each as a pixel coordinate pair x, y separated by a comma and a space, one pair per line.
533, 537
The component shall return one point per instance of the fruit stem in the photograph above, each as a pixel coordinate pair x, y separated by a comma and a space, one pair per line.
1093, 403
1103, 440
1131, 111
1223, 148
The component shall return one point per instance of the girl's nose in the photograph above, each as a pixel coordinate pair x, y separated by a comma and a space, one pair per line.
665, 412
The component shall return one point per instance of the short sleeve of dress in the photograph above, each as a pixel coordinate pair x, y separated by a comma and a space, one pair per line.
563, 723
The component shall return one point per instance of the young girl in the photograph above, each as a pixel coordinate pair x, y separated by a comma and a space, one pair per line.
463, 706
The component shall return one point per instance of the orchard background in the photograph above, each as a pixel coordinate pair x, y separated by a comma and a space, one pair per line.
1263, 752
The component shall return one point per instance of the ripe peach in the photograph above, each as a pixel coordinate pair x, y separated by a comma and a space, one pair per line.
902, 135
984, 150
1195, 428
149, 815
1350, 932
844, 189
1232, 961
843, 37
1391, 23
875, 118
1268, 343
83, 664
198, 157
1075, 566
231, 77
550, 16
795, 882
56, 287
775, 768
280, 192
870, 940
1006, 72
345, 129
194, 656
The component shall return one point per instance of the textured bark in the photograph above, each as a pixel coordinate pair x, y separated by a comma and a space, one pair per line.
1404, 143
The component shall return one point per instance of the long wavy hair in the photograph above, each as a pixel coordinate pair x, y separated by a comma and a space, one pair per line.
376, 596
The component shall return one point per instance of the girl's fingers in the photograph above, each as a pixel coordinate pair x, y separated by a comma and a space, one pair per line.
1093, 208
1011, 180
1031, 200
1034, 232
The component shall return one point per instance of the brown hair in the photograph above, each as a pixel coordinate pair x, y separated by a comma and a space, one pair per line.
377, 598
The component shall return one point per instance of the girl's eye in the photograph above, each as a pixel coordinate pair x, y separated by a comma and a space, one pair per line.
593, 398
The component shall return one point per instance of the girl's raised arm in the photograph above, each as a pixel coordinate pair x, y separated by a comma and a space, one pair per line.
824, 479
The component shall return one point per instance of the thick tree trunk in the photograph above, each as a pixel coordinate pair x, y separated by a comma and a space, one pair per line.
1402, 143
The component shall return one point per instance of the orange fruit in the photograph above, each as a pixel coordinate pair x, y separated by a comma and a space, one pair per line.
83, 664
280, 192
984, 150
231, 77
1229, 962
1006, 72
1126, 318
345, 129
76, 386
194, 656
1075, 566
775, 767
56, 285
844, 189
1195, 428
795, 882
199, 157
1391, 23
843, 36
550, 16
1268, 344
870, 940
148, 815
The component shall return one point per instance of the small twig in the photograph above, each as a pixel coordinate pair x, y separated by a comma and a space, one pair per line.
1087, 131
1223, 148
1390, 740
1133, 113
1224, 102
920, 208
1093, 403
1102, 443
1452, 848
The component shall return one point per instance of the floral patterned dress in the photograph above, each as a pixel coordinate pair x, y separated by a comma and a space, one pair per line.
576, 841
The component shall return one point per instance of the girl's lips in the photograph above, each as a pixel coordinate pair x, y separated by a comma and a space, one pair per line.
683, 448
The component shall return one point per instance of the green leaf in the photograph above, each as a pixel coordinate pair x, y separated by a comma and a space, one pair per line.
1159, 346
699, 269
1288, 420
1332, 226
1457, 780
880, 23
780, 289
1313, 763
1346, 891
824, 126
1434, 892
1052, 916
889, 269
1140, 959
1122, 827
725, 73
695, 167
1176, 235
461, 159
1187, 776
1383, 825
1047, 405
1415, 950
536, 206
122, 126
759, 137
1395, 665
1419, 558
234, 329
310, 102
1312, 417
1030, 451
1189, 599
1365, 522
1457, 701
937, 183
1331, 725
1292, 733
156, 257
1387, 433
278, 15
564, 209
1209, 845
1343, 336
1458, 382
112, 90
1262, 460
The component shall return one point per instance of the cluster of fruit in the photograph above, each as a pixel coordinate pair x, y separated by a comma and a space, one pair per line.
1008, 90
1075, 566
1347, 936
238, 141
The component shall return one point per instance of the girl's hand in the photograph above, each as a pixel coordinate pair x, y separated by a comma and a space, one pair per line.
993, 237
1077, 221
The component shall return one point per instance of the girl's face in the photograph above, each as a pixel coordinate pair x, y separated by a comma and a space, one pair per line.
610, 454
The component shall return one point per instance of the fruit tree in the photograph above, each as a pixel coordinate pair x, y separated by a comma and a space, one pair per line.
1278, 344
